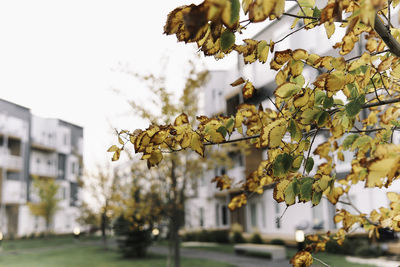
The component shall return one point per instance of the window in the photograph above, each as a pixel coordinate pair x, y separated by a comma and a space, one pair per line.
49, 162
237, 158
201, 217
231, 104
253, 214
217, 214
73, 194
224, 215
37, 160
65, 139
13, 176
277, 216
61, 166
263, 214
73, 168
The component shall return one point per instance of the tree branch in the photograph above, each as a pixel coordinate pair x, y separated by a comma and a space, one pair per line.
385, 35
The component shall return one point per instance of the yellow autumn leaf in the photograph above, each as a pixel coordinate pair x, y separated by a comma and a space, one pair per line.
280, 77
393, 197
155, 158
329, 28
302, 259
380, 169
248, 90
279, 190
197, 144
262, 51
256, 12
272, 134
287, 90
113, 148
181, 119
246, 5
300, 54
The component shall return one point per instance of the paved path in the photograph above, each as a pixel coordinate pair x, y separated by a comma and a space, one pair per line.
236, 260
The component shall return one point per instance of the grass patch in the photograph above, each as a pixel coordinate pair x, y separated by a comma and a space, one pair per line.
54, 252
224, 248
330, 259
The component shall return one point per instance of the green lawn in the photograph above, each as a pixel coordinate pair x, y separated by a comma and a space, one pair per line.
64, 252
331, 259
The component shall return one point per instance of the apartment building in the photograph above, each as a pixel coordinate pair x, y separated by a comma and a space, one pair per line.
34, 146
208, 208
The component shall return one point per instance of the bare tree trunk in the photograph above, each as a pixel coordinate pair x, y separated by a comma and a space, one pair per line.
103, 229
175, 218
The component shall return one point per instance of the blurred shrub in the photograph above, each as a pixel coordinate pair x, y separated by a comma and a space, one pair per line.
218, 236
277, 241
237, 234
348, 247
132, 241
368, 251
256, 238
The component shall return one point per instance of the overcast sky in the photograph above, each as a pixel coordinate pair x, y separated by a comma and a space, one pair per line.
61, 59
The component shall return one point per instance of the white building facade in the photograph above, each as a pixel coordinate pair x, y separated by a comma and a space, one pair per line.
31, 146
208, 209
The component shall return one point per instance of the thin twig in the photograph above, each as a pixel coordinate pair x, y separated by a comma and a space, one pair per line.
376, 93
299, 16
275, 105
309, 150
372, 54
301, 8
233, 140
323, 263
299, 29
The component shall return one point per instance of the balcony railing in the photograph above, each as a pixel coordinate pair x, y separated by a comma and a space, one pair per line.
13, 130
16, 192
44, 143
10, 162
42, 170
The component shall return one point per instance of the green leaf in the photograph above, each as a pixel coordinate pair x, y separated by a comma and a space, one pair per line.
360, 142
291, 191
297, 162
227, 40
286, 90
353, 90
328, 102
316, 12
319, 97
282, 164
354, 106
322, 118
235, 9
222, 130
299, 80
306, 188
316, 198
309, 164
294, 131
349, 140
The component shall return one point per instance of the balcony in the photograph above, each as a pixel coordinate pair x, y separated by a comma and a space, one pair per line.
43, 171
13, 128
10, 162
44, 144
16, 192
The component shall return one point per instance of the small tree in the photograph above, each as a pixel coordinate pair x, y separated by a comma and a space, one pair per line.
46, 190
103, 186
142, 210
